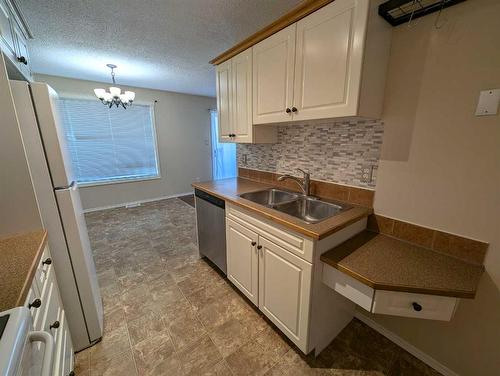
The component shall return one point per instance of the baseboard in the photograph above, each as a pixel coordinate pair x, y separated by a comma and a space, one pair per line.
121, 205
430, 361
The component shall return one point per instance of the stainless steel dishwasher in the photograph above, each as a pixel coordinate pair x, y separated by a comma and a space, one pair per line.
211, 223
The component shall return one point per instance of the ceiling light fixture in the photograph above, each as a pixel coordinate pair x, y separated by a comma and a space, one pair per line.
114, 96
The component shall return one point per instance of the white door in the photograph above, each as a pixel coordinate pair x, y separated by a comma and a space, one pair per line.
328, 60
75, 230
273, 64
284, 289
223, 82
242, 259
52, 132
242, 96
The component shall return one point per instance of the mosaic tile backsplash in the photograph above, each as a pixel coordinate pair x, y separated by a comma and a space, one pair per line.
344, 152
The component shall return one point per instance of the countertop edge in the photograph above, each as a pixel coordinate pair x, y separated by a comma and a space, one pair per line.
31, 271
399, 288
315, 235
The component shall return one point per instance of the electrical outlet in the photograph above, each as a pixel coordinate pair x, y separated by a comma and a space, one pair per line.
367, 174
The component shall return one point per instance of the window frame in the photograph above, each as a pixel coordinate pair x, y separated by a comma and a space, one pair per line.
152, 107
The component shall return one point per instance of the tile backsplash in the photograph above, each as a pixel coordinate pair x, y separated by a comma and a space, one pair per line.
344, 152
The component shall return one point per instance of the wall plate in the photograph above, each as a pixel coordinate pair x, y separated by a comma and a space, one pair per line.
488, 102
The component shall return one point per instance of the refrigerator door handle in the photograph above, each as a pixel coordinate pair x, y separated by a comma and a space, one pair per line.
73, 183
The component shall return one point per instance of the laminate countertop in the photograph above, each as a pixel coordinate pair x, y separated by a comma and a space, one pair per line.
386, 263
230, 189
20, 255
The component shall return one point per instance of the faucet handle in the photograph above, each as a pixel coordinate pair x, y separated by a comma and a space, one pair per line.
305, 173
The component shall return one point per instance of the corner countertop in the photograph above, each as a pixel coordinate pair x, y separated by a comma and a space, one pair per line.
20, 255
230, 189
386, 263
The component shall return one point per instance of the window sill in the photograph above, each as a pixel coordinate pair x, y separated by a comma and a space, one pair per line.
118, 181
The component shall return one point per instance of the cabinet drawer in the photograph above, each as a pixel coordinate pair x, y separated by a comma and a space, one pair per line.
52, 311
347, 286
298, 245
421, 306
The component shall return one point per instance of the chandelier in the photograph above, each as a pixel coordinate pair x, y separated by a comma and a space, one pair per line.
114, 96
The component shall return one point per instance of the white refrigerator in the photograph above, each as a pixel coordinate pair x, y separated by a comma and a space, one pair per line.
60, 209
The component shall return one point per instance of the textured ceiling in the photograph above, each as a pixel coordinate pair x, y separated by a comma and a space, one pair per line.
158, 44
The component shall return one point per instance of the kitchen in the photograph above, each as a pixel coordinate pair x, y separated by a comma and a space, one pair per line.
380, 256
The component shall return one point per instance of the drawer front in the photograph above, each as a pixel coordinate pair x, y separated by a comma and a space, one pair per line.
348, 287
420, 306
298, 245
53, 308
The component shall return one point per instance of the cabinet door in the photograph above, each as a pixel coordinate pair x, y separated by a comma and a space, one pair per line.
328, 60
241, 100
6, 35
284, 291
242, 259
273, 64
223, 82
22, 55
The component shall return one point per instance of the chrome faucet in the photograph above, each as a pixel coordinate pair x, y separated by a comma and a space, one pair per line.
304, 183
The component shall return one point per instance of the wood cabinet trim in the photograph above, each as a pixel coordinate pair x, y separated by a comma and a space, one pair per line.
302, 10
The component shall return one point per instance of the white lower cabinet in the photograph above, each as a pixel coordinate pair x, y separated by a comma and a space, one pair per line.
242, 259
284, 290
48, 314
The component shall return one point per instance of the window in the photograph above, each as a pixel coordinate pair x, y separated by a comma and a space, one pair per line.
108, 145
223, 154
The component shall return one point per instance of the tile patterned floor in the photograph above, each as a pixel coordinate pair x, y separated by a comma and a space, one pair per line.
169, 313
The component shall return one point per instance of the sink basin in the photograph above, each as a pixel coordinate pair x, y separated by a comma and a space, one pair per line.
311, 210
307, 209
270, 197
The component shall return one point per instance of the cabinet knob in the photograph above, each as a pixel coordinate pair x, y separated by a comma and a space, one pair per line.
47, 261
23, 60
417, 307
259, 247
55, 325
35, 304
72, 373
253, 243
294, 109
288, 110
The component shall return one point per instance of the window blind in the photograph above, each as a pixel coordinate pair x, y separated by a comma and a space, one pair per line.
109, 144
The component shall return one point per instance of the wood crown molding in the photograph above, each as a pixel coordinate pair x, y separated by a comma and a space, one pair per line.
302, 10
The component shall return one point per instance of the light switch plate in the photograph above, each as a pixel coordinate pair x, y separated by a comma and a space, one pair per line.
488, 102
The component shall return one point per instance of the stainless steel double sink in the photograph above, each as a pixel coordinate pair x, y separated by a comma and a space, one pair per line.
306, 208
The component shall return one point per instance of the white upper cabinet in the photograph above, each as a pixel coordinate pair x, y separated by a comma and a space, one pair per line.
234, 102
330, 64
329, 53
6, 36
273, 61
223, 82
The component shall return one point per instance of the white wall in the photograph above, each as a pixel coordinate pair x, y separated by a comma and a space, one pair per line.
440, 166
183, 133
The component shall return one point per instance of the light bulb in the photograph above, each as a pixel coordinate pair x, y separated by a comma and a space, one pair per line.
130, 95
124, 97
108, 97
99, 93
115, 91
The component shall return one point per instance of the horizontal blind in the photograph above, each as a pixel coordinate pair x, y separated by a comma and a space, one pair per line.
109, 144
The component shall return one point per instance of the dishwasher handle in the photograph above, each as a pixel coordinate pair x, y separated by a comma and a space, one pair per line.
48, 341
209, 198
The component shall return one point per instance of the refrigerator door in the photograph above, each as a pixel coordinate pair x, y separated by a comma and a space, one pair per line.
52, 132
75, 229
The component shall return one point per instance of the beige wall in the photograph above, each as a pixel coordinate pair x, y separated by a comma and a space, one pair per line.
183, 133
440, 166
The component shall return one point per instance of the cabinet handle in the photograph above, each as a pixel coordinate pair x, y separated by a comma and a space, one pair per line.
288, 110
72, 373
35, 304
47, 261
253, 243
55, 325
417, 307
23, 60
294, 109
